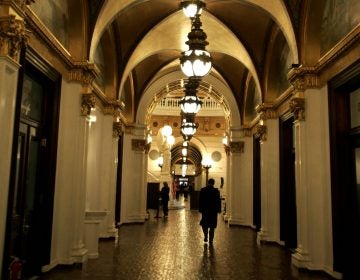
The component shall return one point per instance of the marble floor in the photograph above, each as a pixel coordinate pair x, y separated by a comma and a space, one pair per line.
174, 249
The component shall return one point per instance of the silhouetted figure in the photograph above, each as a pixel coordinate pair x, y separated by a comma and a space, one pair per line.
164, 194
209, 207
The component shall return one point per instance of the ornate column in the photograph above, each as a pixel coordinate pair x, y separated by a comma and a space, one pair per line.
13, 36
312, 170
268, 129
110, 160
86, 74
133, 196
227, 215
234, 150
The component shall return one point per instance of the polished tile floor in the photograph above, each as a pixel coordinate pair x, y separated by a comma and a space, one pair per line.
173, 249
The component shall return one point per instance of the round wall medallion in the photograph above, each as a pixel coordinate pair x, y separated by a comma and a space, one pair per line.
216, 156
154, 154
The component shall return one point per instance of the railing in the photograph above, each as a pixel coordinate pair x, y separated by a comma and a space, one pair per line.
172, 103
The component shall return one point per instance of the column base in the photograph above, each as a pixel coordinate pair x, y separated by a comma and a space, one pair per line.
262, 235
301, 258
79, 254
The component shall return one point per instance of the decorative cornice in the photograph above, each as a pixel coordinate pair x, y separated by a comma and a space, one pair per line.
117, 129
88, 101
266, 111
83, 72
303, 77
297, 107
13, 36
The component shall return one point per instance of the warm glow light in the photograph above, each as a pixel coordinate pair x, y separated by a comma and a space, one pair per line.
206, 162
191, 10
160, 161
166, 130
196, 63
184, 152
190, 104
171, 140
225, 140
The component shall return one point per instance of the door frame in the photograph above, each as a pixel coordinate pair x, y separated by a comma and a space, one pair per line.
288, 218
346, 228
33, 64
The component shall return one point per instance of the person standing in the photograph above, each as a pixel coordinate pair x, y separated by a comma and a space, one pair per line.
209, 207
164, 194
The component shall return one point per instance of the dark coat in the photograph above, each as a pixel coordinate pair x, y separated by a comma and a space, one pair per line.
164, 194
209, 206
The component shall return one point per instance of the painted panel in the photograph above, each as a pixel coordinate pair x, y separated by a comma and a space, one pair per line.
55, 16
339, 18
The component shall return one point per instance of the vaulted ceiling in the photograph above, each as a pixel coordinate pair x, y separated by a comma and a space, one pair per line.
143, 40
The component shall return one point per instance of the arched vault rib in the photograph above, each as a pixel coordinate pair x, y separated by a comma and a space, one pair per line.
275, 7
168, 35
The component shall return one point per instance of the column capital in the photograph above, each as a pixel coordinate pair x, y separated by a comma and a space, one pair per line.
260, 130
117, 129
13, 36
302, 78
88, 101
85, 73
297, 107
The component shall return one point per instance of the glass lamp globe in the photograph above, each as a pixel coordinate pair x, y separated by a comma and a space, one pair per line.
190, 104
192, 8
195, 63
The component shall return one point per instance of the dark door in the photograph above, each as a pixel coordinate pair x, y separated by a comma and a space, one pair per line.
32, 180
256, 184
344, 94
152, 201
118, 182
288, 220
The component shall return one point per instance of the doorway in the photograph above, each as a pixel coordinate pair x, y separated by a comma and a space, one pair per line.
344, 118
288, 220
256, 184
32, 179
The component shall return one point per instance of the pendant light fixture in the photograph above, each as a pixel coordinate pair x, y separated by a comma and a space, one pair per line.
191, 8
196, 62
190, 103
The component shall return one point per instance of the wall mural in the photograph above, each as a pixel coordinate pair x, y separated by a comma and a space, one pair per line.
340, 17
285, 65
252, 100
55, 16
100, 63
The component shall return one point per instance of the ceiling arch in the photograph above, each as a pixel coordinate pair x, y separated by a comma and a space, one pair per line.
151, 95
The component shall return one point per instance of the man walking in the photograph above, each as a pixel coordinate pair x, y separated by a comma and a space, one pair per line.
209, 207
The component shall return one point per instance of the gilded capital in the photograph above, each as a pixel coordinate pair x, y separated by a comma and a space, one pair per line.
88, 101
117, 129
13, 36
302, 78
261, 131
83, 72
297, 107
236, 146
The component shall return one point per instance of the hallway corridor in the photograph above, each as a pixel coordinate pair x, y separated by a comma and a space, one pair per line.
174, 249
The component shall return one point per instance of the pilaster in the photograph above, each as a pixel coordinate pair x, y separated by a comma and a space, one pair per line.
312, 170
270, 212
13, 36
133, 196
